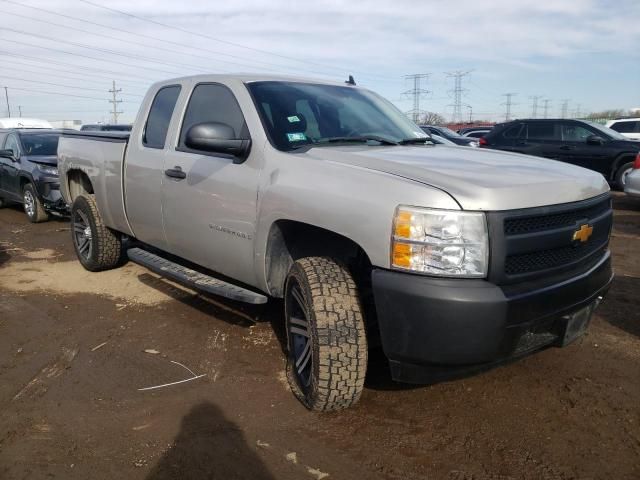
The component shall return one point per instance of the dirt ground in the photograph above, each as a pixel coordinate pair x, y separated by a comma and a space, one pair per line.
76, 348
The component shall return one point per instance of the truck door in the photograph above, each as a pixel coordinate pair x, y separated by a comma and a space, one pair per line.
10, 168
144, 168
210, 214
596, 156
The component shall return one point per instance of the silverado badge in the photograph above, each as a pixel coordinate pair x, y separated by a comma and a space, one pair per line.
583, 233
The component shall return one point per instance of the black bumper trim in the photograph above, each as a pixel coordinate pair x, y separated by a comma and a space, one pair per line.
428, 323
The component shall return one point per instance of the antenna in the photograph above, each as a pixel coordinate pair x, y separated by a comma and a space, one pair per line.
351, 81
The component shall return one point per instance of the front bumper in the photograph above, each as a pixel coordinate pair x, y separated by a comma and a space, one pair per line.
465, 325
49, 190
632, 184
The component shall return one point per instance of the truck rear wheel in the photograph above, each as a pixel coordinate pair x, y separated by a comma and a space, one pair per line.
32, 205
97, 246
326, 336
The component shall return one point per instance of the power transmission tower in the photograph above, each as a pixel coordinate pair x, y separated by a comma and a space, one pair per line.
564, 109
457, 92
546, 107
534, 105
114, 92
416, 93
6, 95
20, 111
508, 104
577, 113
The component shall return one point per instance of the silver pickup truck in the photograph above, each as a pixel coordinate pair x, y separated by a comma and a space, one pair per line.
325, 195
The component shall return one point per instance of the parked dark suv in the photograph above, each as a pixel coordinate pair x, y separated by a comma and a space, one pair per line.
29, 171
579, 142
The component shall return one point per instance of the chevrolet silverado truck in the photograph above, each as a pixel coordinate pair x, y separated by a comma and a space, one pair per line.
326, 196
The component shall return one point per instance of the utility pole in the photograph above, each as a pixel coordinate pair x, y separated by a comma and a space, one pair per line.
6, 95
564, 108
20, 110
416, 93
546, 107
457, 92
114, 92
470, 113
509, 103
534, 105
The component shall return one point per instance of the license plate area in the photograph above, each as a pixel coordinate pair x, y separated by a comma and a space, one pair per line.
577, 324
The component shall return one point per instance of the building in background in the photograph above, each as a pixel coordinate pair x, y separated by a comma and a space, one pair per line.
75, 124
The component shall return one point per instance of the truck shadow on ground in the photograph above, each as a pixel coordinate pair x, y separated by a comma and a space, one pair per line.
209, 446
4, 256
621, 307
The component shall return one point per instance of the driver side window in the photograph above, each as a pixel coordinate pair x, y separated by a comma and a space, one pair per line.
575, 133
12, 144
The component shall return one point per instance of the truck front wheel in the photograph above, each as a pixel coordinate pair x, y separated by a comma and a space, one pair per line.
97, 246
326, 337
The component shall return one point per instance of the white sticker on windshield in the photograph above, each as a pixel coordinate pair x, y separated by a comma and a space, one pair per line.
296, 137
293, 119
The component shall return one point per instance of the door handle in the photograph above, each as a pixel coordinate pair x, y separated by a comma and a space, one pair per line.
175, 172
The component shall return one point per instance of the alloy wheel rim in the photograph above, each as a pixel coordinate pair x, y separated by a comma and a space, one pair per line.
29, 203
82, 234
299, 335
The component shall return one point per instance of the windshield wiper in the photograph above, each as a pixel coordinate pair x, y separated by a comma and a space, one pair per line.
412, 141
363, 139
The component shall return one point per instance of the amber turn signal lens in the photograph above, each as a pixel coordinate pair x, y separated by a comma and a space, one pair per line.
401, 255
403, 225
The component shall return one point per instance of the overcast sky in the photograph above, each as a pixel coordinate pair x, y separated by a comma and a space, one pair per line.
586, 51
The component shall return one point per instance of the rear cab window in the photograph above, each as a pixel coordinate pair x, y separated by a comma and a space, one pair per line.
160, 113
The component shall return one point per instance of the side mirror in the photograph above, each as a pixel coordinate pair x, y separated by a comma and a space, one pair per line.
217, 137
595, 140
8, 154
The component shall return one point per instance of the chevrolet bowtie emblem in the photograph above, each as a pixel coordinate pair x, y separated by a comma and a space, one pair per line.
583, 233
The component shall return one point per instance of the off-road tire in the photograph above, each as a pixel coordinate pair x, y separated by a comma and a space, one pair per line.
336, 331
620, 174
33, 205
105, 251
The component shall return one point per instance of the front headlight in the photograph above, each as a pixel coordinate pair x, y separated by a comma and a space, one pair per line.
48, 169
448, 243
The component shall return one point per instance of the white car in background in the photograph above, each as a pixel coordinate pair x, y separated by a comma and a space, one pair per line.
629, 127
19, 122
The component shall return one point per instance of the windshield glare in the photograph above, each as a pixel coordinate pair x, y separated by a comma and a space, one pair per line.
608, 131
301, 114
40, 144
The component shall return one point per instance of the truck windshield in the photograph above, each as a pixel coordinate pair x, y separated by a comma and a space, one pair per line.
301, 114
40, 144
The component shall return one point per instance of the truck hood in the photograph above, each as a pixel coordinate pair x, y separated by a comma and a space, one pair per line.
44, 159
477, 179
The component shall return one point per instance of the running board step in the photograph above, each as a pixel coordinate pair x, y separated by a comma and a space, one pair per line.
193, 279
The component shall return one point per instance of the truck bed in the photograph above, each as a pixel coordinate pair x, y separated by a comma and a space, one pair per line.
99, 155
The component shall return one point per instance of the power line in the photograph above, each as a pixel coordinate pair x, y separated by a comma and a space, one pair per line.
457, 93
238, 45
508, 104
141, 80
64, 94
112, 37
64, 86
534, 105
114, 101
51, 72
110, 52
416, 93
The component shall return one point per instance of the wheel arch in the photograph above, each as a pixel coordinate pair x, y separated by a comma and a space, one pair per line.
78, 183
619, 161
289, 240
